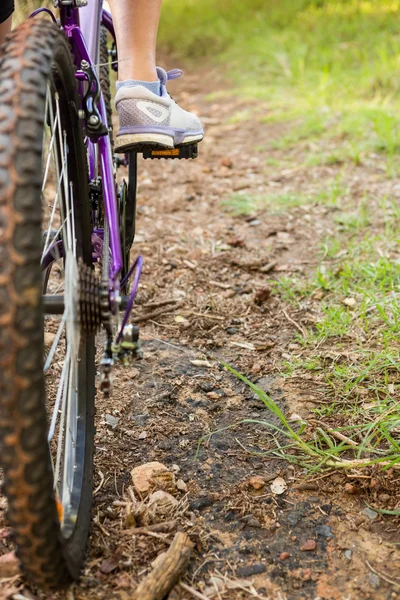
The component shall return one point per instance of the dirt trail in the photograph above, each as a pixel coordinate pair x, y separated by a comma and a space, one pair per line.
248, 542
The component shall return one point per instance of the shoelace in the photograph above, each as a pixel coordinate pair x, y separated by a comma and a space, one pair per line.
165, 76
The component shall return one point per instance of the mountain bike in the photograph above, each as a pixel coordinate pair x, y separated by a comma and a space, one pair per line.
66, 232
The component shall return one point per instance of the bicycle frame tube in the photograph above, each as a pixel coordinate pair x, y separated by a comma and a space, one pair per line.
85, 46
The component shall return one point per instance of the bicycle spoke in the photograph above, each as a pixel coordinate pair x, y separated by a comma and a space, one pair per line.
63, 429
54, 345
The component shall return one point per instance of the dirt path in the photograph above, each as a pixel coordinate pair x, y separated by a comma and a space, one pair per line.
218, 268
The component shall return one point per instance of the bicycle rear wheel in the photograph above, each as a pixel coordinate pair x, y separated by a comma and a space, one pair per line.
46, 362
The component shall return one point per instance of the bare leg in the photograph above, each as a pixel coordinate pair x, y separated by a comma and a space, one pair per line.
136, 28
5, 27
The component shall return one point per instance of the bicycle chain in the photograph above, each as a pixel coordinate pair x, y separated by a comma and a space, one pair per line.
94, 305
89, 313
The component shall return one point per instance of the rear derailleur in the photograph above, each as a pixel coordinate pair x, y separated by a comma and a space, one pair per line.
125, 350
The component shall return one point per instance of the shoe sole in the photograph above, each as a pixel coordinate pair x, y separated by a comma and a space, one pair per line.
130, 142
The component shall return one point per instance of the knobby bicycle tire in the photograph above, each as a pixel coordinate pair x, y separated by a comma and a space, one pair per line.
37, 52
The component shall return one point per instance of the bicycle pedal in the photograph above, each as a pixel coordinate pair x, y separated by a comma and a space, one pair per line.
180, 152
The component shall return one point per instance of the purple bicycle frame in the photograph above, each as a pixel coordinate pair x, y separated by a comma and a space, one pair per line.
82, 27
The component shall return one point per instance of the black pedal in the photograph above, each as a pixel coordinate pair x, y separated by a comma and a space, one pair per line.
181, 152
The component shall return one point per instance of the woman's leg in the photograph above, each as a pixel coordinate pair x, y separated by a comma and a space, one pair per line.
136, 28
5, 28
147, 113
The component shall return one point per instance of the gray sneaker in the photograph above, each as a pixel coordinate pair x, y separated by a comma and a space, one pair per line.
150, 120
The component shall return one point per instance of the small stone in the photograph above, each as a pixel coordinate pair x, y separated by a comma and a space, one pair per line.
200, 503
257, 482
143, 435
240, 184
251, 521
111, 421
213, 396
251, 570
309, 546
325, 531
370, 514
143, 475
9, 565
254, 523
254, 222
237, 242
374, 581
351, 489
348, 554
284, 556
262, 295
109, 565
384, 498
181, 485
227, 162
141, 420
49, 338
206, 386
231, 330
350, 302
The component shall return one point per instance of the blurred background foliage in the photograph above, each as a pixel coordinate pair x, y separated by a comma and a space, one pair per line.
323, 47
332, 66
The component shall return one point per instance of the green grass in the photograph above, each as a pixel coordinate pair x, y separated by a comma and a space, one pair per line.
316, 447
245, 204
329, 69
331, 194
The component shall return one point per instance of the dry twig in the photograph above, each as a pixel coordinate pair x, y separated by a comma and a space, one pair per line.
297, 325
383, 576
167, 572
155, 313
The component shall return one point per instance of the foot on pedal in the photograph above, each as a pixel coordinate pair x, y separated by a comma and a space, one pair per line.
156, 121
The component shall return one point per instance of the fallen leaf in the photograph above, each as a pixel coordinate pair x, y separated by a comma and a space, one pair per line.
281, 268
180, 319
244, 345
278, 486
